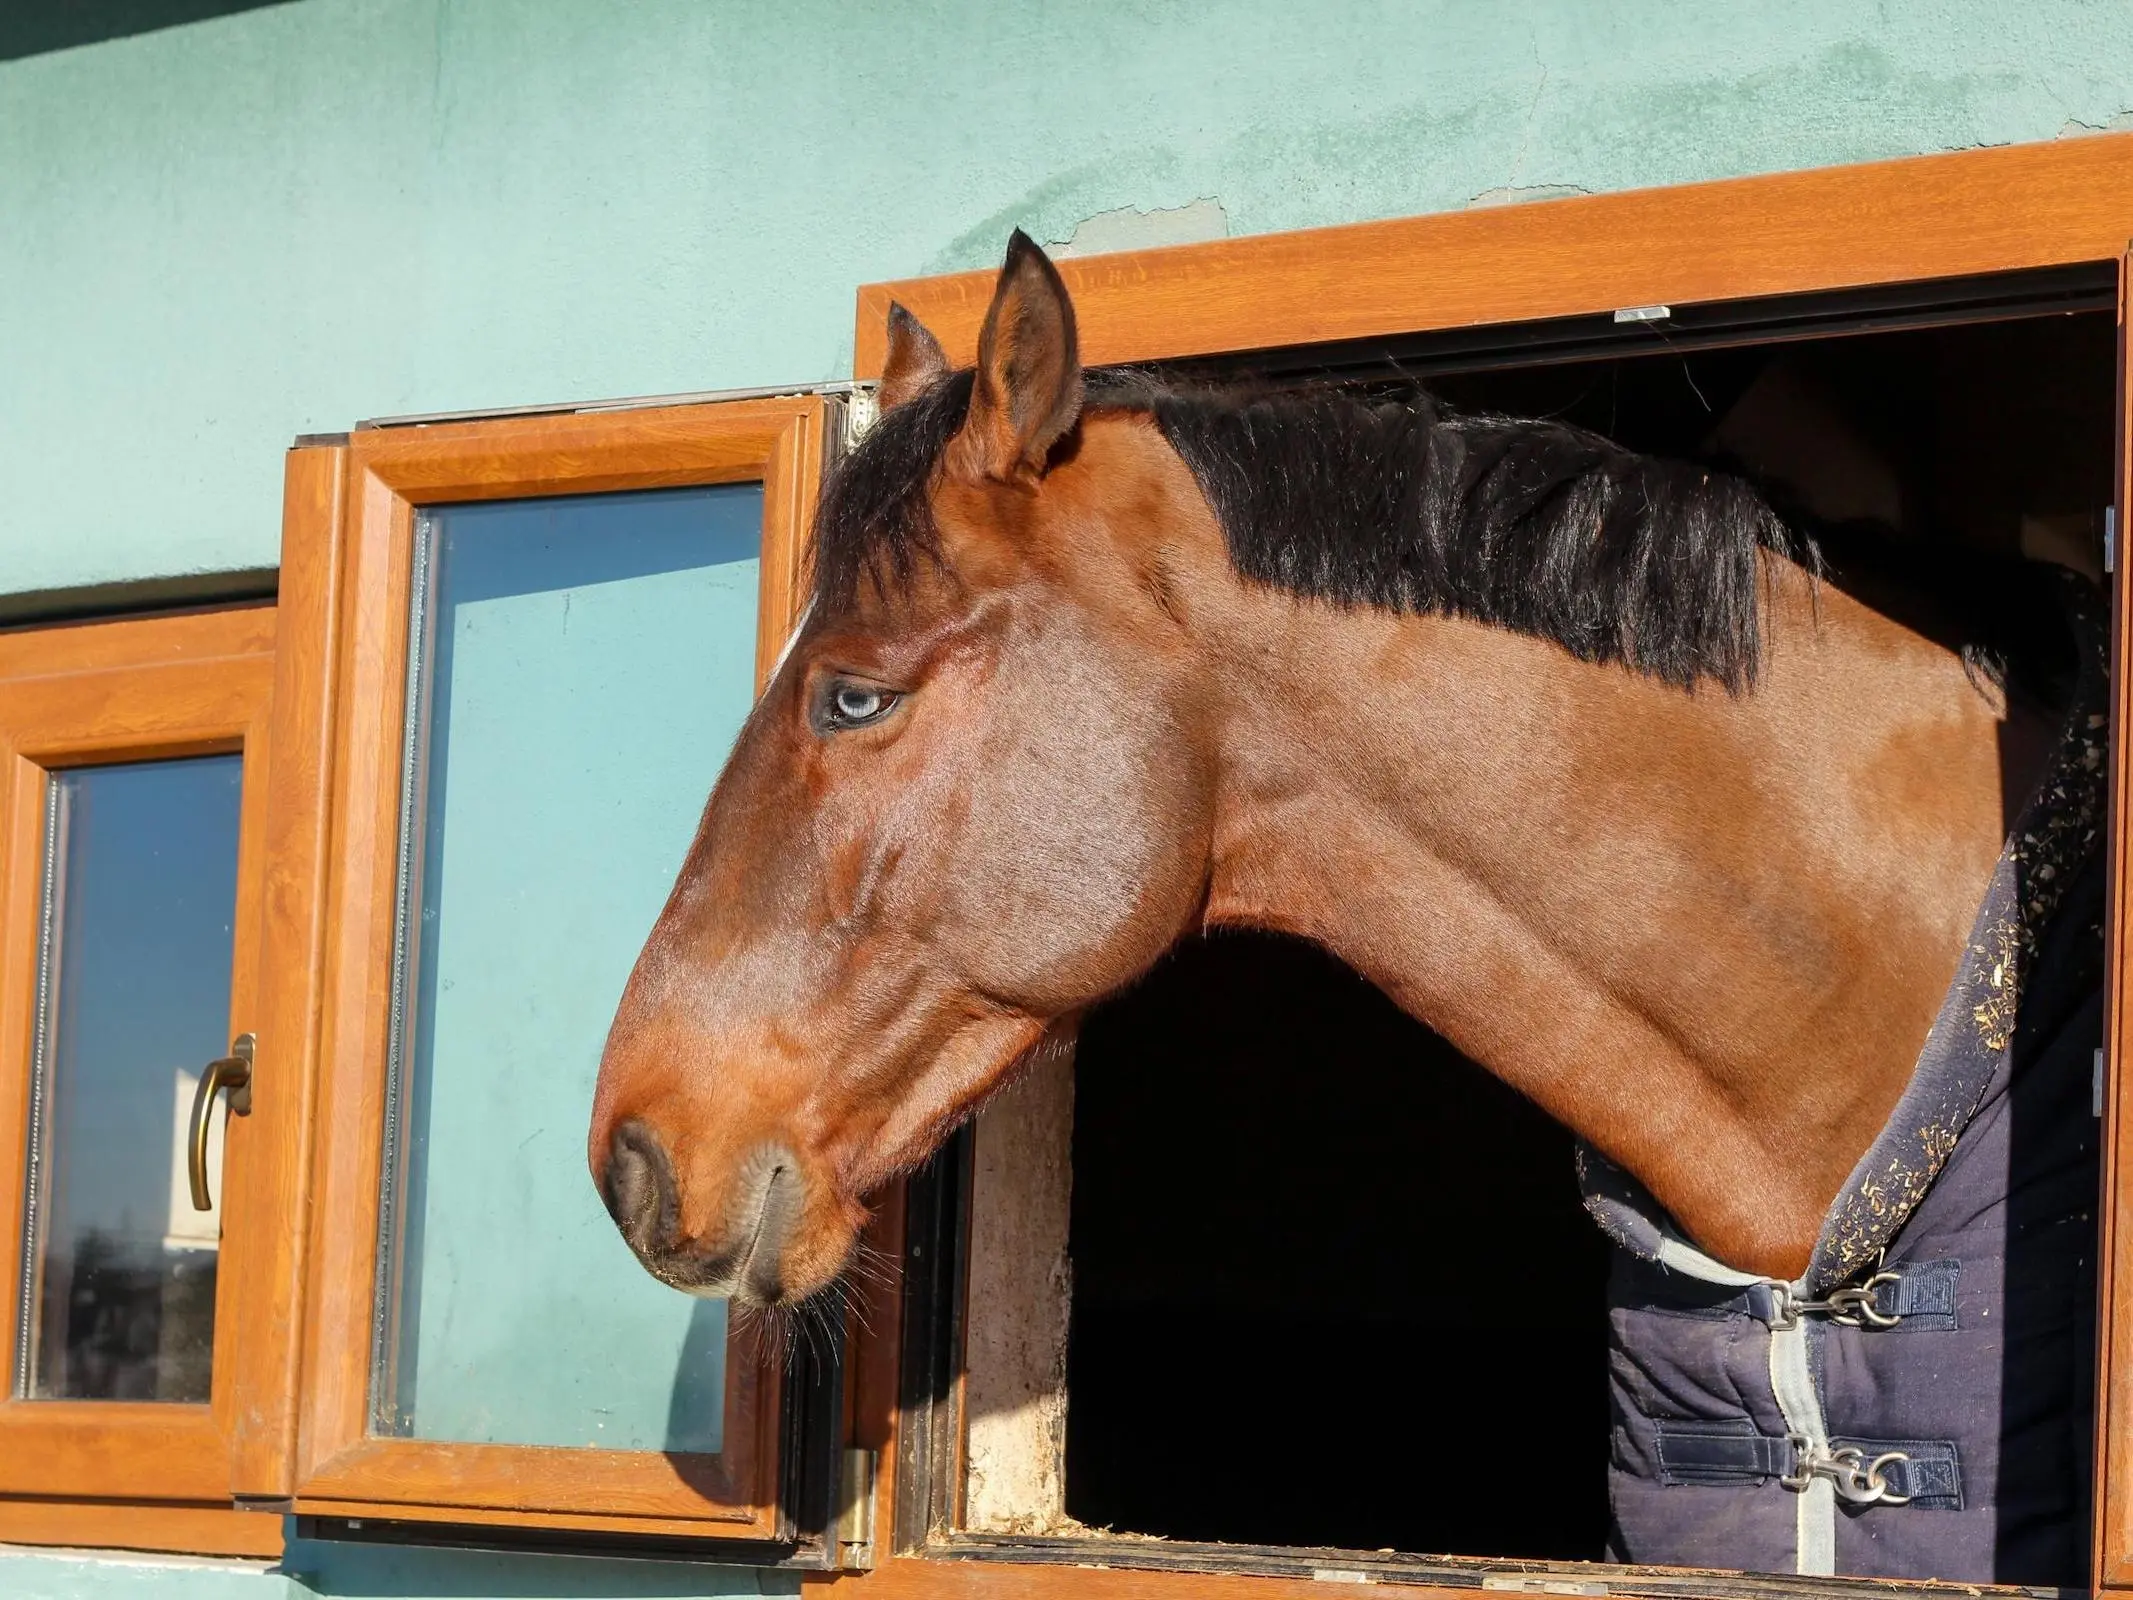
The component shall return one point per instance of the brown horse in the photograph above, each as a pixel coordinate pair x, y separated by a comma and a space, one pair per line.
1566, 749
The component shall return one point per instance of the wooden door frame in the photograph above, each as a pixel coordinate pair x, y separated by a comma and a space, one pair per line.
361, 614
1972, 213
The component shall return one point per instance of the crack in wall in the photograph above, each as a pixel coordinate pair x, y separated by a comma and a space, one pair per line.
1130, 228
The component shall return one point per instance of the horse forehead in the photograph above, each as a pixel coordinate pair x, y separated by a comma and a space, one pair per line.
1118, 488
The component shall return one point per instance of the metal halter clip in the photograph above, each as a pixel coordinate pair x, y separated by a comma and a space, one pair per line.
1853, 1305
1856, 1479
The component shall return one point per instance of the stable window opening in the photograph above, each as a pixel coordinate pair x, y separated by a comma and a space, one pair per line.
1269, 1264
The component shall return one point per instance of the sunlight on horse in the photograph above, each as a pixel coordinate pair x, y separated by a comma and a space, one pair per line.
1564, 748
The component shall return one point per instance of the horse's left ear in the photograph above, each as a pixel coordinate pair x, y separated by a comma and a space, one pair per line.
915, 360
1028, 388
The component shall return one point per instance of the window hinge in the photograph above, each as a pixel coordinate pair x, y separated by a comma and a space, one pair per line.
1520, 1583
861, 412
1644, 313
2110, 538
2096, 1090
855, 1511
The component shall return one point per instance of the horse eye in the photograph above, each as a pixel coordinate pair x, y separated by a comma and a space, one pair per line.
853, 705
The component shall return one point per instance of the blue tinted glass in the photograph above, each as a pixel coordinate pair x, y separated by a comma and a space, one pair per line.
140, 898
587, 665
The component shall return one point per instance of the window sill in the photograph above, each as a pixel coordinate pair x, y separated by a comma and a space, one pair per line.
130, 1533
1210, 1563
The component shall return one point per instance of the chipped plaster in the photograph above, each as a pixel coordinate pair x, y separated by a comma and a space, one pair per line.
1130, 228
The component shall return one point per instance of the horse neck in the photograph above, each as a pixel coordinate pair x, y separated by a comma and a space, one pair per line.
1706, 932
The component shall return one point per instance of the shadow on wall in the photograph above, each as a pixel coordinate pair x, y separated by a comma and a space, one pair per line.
31, 30
398, 1572
697, 1410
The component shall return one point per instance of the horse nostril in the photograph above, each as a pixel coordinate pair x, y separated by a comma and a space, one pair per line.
745, 1256
639, 1189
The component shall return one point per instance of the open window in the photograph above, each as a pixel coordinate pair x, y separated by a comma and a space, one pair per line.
547, 633
148, 1100
1097, 1368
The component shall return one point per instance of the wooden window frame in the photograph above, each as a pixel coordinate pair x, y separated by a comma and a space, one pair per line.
1918, 221
359, 536
132, 1473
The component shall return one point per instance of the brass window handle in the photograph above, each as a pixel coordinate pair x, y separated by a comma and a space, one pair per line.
234, 1073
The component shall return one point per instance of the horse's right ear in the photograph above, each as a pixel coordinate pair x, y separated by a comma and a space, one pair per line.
1028, 388
915, 362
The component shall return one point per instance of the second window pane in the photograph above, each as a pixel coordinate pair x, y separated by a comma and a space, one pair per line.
581, 668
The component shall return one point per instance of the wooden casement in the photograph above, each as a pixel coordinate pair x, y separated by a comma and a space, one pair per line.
148, 1475
361, 538
1907, 225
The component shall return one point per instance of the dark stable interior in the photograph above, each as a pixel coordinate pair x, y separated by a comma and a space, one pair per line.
1333, 1284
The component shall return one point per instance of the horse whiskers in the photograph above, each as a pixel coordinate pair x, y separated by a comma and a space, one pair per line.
855, 1306
872, 1265
821, 1321
815, 1324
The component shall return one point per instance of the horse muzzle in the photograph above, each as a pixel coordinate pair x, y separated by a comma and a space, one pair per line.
746, 1259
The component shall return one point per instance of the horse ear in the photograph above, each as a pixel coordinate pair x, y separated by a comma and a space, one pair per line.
915, 361
1028, 387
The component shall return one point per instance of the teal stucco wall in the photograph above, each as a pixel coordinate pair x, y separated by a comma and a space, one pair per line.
372, 1572
217, 236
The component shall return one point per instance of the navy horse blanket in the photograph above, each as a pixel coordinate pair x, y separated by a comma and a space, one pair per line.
1918, 1403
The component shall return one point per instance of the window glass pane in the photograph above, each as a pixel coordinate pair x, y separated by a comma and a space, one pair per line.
581, 669
118, 1292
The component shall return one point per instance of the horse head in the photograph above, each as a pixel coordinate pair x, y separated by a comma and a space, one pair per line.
975, 798
1559, 745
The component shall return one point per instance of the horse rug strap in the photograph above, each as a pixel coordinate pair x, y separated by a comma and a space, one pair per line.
1820, 1470
1917, 1403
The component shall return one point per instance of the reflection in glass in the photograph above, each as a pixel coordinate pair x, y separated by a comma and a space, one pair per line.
140, 895
580, 669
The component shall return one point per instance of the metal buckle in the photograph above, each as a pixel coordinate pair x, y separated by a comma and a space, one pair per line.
1802, 1474
1856, 1479
1853, 1306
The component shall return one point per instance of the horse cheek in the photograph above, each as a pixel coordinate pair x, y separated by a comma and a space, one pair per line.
1094, 883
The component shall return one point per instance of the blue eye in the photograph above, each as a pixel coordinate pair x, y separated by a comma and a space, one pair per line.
854, 705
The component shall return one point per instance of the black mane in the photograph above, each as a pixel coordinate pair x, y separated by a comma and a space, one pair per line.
1395, 502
